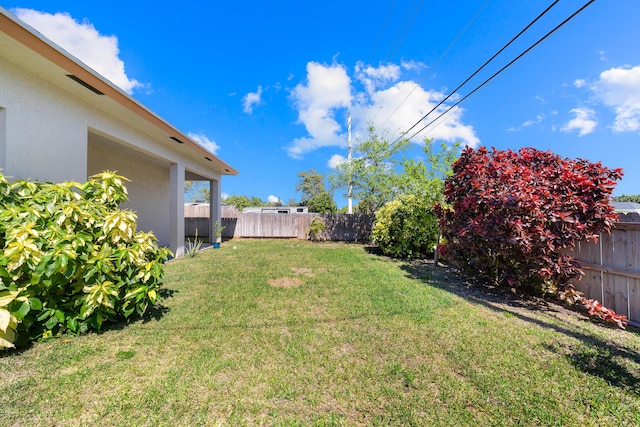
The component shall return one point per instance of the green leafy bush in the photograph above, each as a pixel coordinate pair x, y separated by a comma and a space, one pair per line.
406, 228
71, 258
317, 229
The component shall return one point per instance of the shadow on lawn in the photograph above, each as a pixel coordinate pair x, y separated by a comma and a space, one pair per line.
605, 359
154, 313
158, 311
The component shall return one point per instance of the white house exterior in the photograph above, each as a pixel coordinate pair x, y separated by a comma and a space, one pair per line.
62, 121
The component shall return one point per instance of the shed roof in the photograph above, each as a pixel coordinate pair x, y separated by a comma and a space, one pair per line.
626, 206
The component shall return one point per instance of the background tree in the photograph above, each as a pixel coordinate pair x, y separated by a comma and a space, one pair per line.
425, 178
311, 183
195, 191
407, 226
635, 198
314, 194
241, 202
322, 203
372, 172
379, 175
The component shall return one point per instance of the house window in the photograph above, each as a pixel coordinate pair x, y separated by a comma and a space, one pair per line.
283, 211
300, 210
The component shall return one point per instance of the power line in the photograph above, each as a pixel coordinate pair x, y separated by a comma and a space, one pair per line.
435, 64
480, 68
406, 30
499, 71
384, 26
398, 37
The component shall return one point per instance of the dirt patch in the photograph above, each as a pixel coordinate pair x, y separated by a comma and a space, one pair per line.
285, 282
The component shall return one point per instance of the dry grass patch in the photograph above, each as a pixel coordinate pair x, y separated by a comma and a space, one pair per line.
303, 271
285, 282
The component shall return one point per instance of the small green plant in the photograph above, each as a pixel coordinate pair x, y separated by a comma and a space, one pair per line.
192, 247
217, 230
317, 229
71, 258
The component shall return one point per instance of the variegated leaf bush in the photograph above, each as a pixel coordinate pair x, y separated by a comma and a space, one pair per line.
71, 258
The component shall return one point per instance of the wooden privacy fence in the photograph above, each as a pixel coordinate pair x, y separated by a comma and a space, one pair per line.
340, 227
612, 270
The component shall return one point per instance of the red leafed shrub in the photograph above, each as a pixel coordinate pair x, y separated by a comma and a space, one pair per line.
512, 214
598, 310
593, 307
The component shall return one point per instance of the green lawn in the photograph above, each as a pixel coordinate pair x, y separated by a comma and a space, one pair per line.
286, 332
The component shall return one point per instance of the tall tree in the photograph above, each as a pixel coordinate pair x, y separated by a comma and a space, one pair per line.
425, 178
372, 172
322, 203
311, 183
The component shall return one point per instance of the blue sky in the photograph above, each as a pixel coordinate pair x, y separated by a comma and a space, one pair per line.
267, 85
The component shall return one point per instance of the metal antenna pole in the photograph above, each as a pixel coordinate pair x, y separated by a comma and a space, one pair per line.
350, 203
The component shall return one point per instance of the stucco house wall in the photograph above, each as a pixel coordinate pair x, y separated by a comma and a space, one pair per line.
44, 128
55, 129
148, 185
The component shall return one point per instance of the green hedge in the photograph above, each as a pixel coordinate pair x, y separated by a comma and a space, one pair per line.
406, 228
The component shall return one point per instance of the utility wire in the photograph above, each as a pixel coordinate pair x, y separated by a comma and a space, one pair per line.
499, 71
480, 69
398, 38
377, 43
384, 26
407, 21
435, 64
406, 30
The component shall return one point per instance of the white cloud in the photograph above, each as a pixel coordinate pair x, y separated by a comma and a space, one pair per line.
396, 111
413, 65
273, 199
374, 77
603, 55
251, 99
619, 88
336, 160
328, 88
82, 40
584, 121
207, 143
579, 83
539, 118
392, 105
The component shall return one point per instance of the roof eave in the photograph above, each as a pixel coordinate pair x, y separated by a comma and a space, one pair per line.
31, 38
